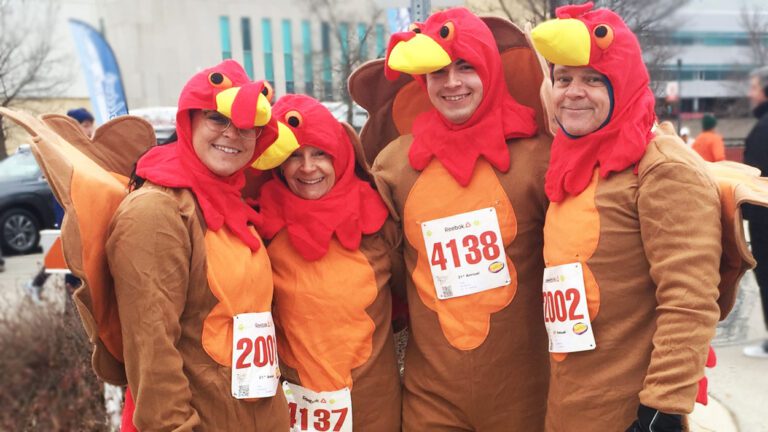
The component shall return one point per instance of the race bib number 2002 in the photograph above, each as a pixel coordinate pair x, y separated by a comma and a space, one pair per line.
566, 314
466, 253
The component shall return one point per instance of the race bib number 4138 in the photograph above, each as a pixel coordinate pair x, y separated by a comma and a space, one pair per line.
255, 370
466, 253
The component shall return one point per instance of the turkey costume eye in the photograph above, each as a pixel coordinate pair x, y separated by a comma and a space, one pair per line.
293, 118
414, 28
447, 31
219, 80
267, 91
603, 35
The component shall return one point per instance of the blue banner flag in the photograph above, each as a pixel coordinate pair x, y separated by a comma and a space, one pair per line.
102, 74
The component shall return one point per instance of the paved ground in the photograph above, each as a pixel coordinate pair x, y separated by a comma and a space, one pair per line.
19, 270
738, 386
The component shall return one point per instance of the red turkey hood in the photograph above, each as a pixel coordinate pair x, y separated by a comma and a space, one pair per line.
446, 37
225, 88
350, 209
601, 40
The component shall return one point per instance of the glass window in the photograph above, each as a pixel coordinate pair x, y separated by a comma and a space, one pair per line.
226, 44
288, 56
381, 48
344, 37
306, 46
245, 28
269, 63
325, 37
362, 40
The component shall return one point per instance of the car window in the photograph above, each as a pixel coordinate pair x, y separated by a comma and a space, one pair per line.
19, 166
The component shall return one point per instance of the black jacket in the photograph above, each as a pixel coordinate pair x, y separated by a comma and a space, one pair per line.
756, 154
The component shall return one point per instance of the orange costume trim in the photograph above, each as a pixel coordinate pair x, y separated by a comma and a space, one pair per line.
328, 334
465, 321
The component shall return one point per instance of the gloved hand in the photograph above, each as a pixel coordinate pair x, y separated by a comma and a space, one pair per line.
653, 420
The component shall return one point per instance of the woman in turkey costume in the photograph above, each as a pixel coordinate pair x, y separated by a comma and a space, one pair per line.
187, 264
634, 338
331, 246
462, 167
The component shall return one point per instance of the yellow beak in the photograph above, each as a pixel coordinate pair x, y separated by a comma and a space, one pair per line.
564, 42
226, 99
263, 111
418, 56
278, 152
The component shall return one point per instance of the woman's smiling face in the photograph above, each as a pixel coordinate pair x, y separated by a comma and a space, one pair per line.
309, 172
223, 152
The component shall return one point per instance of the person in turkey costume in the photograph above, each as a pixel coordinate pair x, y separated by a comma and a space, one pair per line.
466, 183
621, 202
331, 247
187, 264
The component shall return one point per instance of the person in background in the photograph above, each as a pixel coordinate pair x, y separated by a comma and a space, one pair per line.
709, 143
84, 119
756, 154
685, 135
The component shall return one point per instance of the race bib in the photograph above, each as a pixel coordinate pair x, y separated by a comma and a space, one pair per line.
255, 370
565, 310
466, 253
318, 411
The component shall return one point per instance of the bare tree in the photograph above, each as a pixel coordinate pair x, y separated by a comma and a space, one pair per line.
755, 24
352, 44
29, 67
650, 20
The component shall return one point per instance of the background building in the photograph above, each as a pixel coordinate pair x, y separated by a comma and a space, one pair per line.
713, 47
304, 46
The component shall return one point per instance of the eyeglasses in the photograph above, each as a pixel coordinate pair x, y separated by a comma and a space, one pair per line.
217, 122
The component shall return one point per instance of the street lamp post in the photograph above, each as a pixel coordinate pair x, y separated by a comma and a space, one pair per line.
420, 10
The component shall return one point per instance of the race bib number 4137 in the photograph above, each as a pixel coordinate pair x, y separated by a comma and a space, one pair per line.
318, 411
255, 370
466, 253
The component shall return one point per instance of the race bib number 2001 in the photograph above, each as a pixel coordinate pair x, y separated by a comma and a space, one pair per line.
255, 370
466, 253
318, 411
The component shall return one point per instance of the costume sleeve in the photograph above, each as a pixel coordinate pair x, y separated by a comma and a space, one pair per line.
149, 254
393, 236
679, 210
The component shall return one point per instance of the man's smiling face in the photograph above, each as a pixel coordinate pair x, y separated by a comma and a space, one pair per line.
455, 91
581, 99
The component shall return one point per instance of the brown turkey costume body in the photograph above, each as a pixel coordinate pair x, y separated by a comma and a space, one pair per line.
478, 361
164, 279
333, 270
642, 215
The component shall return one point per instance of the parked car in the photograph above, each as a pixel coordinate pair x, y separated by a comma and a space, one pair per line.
162, 119
340, 109
26, 203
